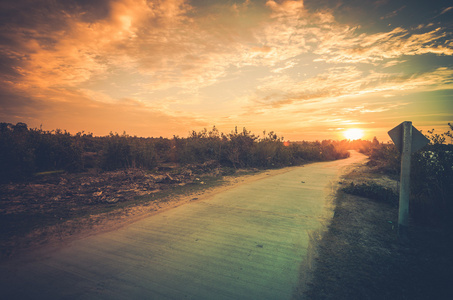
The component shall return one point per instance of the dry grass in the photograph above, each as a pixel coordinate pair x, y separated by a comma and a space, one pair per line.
360, 257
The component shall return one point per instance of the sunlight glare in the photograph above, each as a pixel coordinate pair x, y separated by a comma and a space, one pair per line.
353, 134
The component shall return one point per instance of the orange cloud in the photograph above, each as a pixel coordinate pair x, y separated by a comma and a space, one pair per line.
344, 46
271, 61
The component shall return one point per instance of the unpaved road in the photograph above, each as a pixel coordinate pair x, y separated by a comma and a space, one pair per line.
245, 243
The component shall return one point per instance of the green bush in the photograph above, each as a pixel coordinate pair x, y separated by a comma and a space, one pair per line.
431, 201
117, 153
432, 185
24, 151
386, 157
239, 148
17, 157
373, 191
143, 154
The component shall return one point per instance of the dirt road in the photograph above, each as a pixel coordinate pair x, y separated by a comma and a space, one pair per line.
245, 243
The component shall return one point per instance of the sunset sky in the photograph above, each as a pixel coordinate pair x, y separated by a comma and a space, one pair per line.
307, 70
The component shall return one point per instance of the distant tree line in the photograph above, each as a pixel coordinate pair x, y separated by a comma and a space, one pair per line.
26, 151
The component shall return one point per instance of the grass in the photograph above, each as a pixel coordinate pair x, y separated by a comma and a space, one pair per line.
360, 257
372, 190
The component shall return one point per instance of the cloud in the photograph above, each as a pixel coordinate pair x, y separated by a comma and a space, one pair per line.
75, 112
161, 39
285, 8
70, 50
445, 10
392, 63
166, 42
328, 90
393, 13
345, 46
159, 58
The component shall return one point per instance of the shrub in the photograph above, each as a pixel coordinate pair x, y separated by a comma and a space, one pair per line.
386, 157
117, 152
431, 177
373, 191
24, 151
17, 157
432, 185
143, 154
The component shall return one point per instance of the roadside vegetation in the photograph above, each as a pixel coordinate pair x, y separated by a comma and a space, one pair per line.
431, 201
374, 191
25, 152
359, 255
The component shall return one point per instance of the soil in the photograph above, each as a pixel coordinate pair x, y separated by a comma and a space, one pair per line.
54, 209
359, 256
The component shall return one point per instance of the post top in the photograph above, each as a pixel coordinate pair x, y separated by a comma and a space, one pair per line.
418, 140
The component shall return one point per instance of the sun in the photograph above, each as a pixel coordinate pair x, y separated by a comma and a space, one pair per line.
353, 133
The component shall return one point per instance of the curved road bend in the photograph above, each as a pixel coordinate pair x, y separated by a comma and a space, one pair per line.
245, 243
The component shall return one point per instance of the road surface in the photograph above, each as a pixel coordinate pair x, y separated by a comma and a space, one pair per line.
245, 243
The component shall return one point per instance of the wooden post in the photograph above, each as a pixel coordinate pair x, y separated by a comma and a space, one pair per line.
407, 140
403, 213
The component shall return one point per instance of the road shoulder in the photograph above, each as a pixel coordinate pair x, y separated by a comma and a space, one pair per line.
359, 257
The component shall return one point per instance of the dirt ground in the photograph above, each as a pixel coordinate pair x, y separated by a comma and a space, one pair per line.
360, 257
53, 210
